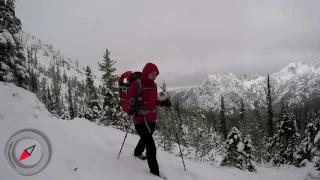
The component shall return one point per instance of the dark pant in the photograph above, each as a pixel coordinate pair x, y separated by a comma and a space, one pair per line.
146, 142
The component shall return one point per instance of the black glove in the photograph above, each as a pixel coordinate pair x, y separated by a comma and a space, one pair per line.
167, 103
135, 104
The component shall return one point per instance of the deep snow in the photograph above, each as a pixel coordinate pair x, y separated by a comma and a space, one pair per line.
94, 149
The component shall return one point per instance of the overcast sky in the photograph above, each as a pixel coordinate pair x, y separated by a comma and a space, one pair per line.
186, 39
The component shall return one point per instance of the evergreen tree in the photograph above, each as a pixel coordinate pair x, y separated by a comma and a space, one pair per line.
259, 133
52, 72
233, 150
33, 82
270, 125
92, 98
283, 109
111, 108
223, 123
12, 58
65, 114
179, 115
293, 137
71, 106
166, 124
248, 154
29, 55
58, 75
56, 92
166, 129
43, 88
8, 19
35, 57
270, 138
54, 109
193, 134
286, 139
109, 78
3, 14
65, 77
297, 111
203, 138
242, 123
316, 151
49, 100
52, 104
75, 109
20, 67
164, 93
314, 173
304, 151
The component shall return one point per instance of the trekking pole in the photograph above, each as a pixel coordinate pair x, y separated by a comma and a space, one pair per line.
124, 139
181, 152
130, 120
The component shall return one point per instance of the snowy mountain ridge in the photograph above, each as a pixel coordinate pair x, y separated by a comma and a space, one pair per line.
47, 56
298, 82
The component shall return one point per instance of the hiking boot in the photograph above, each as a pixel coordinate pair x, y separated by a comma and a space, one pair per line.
142, 157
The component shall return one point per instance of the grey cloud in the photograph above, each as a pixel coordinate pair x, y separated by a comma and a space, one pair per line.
186, 39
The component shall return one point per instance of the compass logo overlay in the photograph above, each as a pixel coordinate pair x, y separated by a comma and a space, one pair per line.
28, 152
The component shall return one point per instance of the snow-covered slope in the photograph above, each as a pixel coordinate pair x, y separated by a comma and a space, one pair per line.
49, 64
297, 83
181, 95
94, 149
47, 56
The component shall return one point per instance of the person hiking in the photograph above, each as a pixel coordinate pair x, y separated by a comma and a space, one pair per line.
144, 118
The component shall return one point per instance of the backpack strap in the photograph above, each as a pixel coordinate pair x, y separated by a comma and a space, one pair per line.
139, 87
142, 89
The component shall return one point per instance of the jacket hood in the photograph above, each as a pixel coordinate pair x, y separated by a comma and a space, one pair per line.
149, 68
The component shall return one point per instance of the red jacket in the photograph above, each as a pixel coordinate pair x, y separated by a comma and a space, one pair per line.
149, 96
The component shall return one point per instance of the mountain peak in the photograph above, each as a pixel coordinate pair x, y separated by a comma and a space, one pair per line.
295, 67
295, 82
